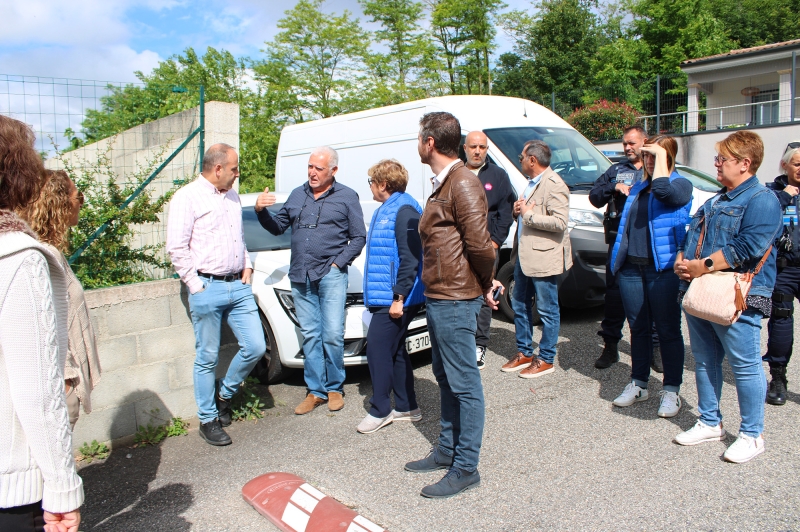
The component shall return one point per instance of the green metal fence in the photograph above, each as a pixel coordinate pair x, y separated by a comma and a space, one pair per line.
126, 165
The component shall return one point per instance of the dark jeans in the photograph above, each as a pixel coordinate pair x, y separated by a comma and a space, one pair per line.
614, 315
452, 328
28, 518
652, 297
389, 363
485, 315
781, 329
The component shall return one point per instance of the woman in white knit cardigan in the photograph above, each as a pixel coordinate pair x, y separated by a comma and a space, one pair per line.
39, 484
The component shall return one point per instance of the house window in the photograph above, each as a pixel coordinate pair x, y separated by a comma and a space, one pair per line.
764, 108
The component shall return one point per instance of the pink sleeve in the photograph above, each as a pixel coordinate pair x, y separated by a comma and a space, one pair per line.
179, 234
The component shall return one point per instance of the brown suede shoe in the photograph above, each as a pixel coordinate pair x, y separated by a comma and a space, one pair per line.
309, 403
537, 368
517, 363
335, 401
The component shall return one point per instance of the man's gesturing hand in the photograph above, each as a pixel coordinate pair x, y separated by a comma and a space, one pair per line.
265, 199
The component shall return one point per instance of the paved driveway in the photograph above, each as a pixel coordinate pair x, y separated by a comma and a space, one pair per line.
556, 455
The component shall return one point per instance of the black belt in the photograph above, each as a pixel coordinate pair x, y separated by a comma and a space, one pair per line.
639, 261
226, 278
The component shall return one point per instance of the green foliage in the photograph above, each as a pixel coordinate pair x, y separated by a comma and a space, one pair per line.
246, 404
177, 427
93, 451
603, 120
155, 434
112, 259
757, 22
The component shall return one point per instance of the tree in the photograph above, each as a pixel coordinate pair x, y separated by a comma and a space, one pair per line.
757, 22
317, 58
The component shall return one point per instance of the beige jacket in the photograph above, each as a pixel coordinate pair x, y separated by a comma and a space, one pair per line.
544, 248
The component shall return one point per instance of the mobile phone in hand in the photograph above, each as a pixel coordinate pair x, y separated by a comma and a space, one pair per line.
496, 293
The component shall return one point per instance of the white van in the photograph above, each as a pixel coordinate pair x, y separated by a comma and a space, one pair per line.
364, 138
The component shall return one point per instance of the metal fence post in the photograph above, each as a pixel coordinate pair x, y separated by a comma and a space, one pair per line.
658, 104
202, 125
553, 102
794, 81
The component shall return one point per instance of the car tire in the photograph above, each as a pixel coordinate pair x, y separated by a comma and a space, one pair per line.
506, 276
269, 370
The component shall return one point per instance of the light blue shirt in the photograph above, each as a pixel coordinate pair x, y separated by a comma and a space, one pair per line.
527, 194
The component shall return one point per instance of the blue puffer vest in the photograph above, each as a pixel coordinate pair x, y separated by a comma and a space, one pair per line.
667, 229
383, 259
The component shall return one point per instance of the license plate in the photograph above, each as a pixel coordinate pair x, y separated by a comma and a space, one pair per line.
418, 342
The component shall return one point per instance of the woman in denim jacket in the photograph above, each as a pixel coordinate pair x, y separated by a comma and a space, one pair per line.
741, 223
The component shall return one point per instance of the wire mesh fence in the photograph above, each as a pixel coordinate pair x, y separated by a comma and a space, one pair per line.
127, 167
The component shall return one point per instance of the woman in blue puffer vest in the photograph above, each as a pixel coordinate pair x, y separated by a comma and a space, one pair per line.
393, 293
652, 231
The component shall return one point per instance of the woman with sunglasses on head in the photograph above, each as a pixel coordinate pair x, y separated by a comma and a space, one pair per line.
738, 228
651, 232
51, 215
393, 293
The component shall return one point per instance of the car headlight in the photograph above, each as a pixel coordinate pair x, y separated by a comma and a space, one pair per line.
287, 302
585, 217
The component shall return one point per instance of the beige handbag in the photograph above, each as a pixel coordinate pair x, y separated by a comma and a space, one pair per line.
719, 297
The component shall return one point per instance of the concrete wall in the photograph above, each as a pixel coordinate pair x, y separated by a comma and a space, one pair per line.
146, 342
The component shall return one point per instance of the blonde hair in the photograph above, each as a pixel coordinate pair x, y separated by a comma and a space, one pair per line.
743, 145
49, 214
392, 173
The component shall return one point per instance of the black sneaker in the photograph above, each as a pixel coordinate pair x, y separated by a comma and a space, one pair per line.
776, 395
609, 356
454, 482
656, 363
480, 353
213, 433
435, 460
224, 410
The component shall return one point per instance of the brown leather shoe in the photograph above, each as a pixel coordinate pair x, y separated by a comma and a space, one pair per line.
537, 368
335, 401
309, 403
517, 363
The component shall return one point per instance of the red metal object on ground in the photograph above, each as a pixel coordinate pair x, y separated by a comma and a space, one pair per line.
295, 506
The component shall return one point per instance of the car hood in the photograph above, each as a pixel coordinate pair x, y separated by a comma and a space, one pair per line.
275, 265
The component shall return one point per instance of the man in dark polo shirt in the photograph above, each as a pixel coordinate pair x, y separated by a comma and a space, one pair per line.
500, 196
328, 233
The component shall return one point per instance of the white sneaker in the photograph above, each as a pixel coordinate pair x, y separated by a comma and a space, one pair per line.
480, 354
631, 394
670, 404
371, 423
414, 415
744, 448
700, 433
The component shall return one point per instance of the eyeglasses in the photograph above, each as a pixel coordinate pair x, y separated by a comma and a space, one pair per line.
522, 156
719, 159
369, 181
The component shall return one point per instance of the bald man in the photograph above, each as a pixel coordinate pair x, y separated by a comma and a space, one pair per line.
500, 195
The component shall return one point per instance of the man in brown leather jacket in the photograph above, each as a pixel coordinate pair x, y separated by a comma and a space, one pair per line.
457, 269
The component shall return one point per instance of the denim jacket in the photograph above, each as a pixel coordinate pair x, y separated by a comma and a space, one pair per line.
743, 223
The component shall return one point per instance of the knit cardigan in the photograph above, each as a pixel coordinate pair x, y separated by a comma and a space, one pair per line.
36, 462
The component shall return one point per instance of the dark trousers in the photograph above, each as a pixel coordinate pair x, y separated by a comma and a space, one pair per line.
485, 314
614, 316
28, 518
781, 329
389, 363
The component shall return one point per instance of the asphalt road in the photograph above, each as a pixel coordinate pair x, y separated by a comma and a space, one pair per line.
556, 455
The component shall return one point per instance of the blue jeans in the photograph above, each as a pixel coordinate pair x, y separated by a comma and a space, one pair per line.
320, 311
452, 325
546, 291
223, 300
742, 343
651, 298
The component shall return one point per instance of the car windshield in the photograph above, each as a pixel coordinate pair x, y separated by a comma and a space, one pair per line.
699, 180
575, 159
259, 239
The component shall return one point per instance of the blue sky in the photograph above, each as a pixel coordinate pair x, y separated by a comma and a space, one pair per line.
110, 39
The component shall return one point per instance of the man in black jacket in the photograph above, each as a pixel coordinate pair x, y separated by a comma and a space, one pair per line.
500, 196
612, 189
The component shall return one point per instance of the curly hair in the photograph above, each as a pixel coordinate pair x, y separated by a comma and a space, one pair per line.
392, 173
49, 214
21, 168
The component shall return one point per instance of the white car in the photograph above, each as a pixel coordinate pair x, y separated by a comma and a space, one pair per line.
273, 293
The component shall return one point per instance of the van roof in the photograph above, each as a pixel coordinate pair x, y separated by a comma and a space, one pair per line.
473, 112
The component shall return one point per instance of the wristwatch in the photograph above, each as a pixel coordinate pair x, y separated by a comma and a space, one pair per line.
709, 263
398, 297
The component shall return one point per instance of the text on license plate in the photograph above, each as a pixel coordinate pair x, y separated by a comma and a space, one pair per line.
418, 342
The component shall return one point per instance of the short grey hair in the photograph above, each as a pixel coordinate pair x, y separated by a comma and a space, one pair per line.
216, 154
333, 156
540, 150
787, 156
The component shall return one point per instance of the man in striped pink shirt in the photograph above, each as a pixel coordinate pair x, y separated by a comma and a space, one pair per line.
206, 243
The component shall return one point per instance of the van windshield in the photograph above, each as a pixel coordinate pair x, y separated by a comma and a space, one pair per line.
256, 238
575, 159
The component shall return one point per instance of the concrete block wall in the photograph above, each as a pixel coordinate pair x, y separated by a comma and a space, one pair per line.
146, 343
